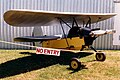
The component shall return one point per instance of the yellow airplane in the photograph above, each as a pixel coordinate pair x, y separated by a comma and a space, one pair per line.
78, 38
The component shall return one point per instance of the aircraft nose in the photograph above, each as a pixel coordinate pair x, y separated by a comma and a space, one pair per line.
110, 31
101, 32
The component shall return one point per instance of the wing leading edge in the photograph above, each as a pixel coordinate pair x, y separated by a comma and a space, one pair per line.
45, 18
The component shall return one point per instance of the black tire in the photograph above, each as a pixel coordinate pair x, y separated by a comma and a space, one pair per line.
75, 64
100, 56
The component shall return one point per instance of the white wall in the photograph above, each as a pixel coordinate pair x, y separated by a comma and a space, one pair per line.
116, 36
7, 32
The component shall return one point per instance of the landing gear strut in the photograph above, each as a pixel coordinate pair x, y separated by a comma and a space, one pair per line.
100, 56
75, 64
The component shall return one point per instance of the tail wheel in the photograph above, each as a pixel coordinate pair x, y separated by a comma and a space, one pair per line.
100, 56
75, 64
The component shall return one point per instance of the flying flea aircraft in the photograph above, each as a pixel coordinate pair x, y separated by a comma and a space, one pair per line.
80, 35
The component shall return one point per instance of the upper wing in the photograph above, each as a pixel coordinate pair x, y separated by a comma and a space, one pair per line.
45, 18
35, 38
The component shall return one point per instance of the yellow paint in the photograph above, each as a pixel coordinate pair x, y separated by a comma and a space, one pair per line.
61, 43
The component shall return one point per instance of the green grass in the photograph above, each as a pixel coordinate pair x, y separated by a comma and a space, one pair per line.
16, 65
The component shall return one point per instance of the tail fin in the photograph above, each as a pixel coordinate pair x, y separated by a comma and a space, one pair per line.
37, 31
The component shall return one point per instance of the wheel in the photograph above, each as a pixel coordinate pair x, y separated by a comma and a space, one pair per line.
100, 56
75, 64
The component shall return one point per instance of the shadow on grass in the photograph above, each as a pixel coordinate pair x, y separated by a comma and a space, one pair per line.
34, 62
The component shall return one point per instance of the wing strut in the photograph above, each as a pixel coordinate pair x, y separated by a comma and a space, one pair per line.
63, 30
73, 23
89, 22
61, 20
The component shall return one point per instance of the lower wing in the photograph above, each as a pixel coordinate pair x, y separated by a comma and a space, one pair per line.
35, 38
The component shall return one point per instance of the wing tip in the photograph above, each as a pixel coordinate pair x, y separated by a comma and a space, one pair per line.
7, 17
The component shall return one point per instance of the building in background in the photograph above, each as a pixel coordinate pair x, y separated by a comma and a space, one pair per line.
7, 32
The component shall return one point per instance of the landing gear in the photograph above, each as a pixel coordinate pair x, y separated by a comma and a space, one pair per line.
75, 64
100, 56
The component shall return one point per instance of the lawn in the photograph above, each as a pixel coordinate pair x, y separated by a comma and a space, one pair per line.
26, 65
